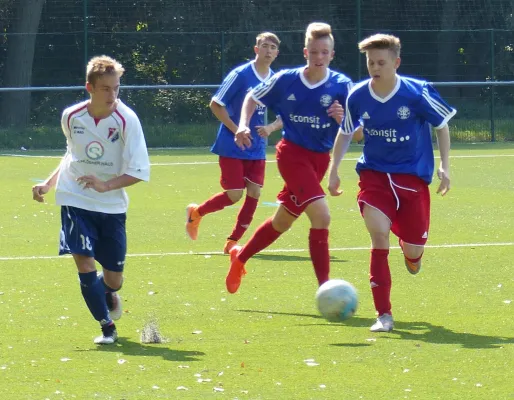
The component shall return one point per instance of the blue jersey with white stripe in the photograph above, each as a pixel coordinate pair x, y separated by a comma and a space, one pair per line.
231, 94
397, 128
303, 107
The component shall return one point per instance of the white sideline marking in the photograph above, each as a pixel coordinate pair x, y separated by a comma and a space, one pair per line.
164, 164
336, 249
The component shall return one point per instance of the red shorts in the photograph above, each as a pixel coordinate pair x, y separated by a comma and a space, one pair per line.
404, 199
302, 171
235, 172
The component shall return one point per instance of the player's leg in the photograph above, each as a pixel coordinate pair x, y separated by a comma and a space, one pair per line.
413, 219
254, 176
378, 208
111, 249
319, 215
378, 226
233, 183
267, 233
78, 237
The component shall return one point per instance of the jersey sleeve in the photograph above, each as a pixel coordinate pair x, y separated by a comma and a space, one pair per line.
135, 155
433, 108
64, 125
230, 86
268, 93
351, 116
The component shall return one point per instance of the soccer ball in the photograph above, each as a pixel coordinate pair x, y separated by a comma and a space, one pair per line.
336, 300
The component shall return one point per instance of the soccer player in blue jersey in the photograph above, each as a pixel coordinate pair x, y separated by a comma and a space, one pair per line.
397, 163
309, 101
239, 169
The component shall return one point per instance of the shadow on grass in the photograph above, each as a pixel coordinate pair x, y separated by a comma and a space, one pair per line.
129, 347
278, 257
415, 331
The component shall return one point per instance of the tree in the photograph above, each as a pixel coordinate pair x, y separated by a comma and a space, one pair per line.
15, 107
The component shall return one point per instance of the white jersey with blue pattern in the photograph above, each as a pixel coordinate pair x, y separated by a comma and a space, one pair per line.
397, 128
303, 107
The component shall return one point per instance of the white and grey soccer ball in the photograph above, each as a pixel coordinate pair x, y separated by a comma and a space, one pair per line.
337, 300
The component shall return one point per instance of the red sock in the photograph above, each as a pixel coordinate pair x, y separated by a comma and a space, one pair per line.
244, 218
380, 280
318, 247
215, 203
262, 238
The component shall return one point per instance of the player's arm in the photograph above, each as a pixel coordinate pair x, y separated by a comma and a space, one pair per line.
266, 130
243, 137
220, 112
39, 190
437, 112
443, 141
341, 145
119, 182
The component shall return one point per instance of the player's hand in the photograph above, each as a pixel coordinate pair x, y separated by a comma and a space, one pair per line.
334, 182
444, 186
92, 182
264, 131
243, 137
38, 192
336, 111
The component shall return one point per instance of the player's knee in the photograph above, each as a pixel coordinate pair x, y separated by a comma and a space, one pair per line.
253, 191
235, 195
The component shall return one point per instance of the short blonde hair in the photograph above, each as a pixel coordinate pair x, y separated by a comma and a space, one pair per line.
381, 41
261, 37
318, 30
102, 65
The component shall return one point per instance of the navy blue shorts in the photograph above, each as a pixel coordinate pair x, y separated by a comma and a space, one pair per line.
94, 234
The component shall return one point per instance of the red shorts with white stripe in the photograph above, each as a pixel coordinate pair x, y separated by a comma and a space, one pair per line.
404, 199
236, 172
302, 171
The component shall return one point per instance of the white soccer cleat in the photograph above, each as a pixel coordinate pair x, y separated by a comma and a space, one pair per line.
115, 306
384, 323
109, 335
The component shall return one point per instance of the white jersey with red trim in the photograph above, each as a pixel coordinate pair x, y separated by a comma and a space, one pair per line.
105, 148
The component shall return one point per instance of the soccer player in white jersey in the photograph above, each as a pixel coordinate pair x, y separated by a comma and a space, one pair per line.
397, 163
106, 152
240, 169
309, 101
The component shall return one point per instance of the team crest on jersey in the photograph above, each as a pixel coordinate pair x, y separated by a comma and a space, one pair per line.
326, 100
94, 150
113, 135
403, 112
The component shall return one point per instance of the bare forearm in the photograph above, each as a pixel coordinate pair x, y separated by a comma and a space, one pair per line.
247, 110
121, 182
341, 145
276, 125
52, 178
220, 112
443, 140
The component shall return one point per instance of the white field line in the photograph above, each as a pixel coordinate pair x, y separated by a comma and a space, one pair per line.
204, 253
268, 161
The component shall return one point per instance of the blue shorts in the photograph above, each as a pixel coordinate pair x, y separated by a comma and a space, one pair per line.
94, 234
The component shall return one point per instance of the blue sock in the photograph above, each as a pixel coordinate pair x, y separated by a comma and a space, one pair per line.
93, 291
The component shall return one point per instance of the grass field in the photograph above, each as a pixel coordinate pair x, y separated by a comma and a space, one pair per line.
454, 336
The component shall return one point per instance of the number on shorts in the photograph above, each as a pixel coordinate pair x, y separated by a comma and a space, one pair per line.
86, 244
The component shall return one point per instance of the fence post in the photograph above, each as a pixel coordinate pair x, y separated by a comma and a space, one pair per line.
85, 33
222, 55
492, 111
359, 36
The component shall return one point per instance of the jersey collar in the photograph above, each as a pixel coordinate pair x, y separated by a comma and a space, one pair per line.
306, 83
390, 95
257, 73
